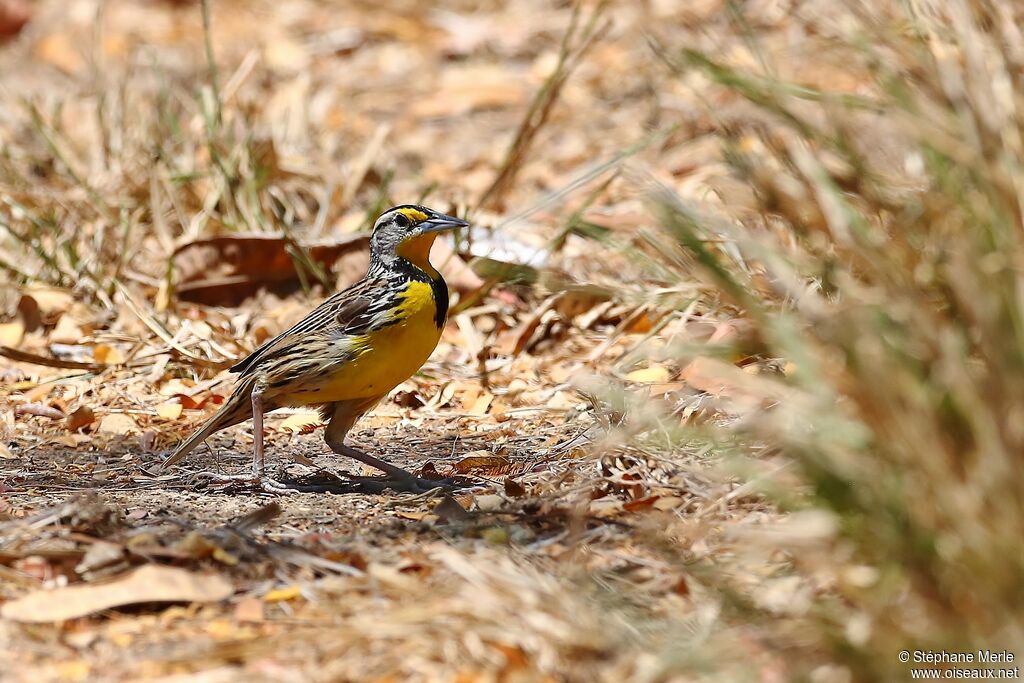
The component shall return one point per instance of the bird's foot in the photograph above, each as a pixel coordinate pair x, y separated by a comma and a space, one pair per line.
258, 481
403, 483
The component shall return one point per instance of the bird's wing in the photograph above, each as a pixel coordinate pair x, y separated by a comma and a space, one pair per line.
349, 312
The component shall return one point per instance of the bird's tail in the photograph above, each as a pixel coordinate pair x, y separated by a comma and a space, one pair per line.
237, 408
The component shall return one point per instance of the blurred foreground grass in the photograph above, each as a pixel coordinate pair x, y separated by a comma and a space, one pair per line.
881, 257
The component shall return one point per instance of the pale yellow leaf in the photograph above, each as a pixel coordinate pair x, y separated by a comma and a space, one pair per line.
12, 333
668, 503
481, 404
150, 583
170, 410
653, 374
282, 594
50, 299
67, 331
118, 423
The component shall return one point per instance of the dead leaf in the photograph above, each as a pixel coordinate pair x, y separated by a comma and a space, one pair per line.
227, 269
449, 510
606, 508
100, 554
301, 423
81, 417
14, 14
655, 374
470, 88
74, 670
512, 342
51, 300
67, 331
150, 583
283, 594
30, 313
169, 411
12, 333
102, 353
428, 471
198, 546
414, 515
513, 488
667, 502
488, 503
482, 461
481, 404
640, 504
459, 276
118, 423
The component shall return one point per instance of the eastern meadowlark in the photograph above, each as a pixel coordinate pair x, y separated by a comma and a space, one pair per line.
351, 350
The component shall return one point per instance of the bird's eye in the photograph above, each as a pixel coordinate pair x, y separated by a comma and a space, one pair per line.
402, 221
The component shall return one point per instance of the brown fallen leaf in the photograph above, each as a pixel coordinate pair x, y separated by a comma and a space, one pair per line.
449, 510
640, 504
225, 270
428, 471
414, 515
513, 488
79, 418
482, 460
51, 301
14, 14
151, 583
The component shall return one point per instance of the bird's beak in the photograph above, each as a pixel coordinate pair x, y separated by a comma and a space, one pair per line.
439, 222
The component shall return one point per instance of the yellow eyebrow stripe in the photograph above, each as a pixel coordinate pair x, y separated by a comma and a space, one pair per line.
414, 215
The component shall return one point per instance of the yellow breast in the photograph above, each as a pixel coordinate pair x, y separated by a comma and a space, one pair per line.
385, 357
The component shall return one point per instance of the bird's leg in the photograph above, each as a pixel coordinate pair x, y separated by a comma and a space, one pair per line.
396, 478
258, 453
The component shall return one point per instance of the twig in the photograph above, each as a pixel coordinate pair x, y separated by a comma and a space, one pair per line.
49, 361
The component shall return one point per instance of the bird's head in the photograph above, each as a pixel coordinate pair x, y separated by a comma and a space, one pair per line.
408, 231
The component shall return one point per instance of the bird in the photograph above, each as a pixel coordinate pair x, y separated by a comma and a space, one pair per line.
349, 352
